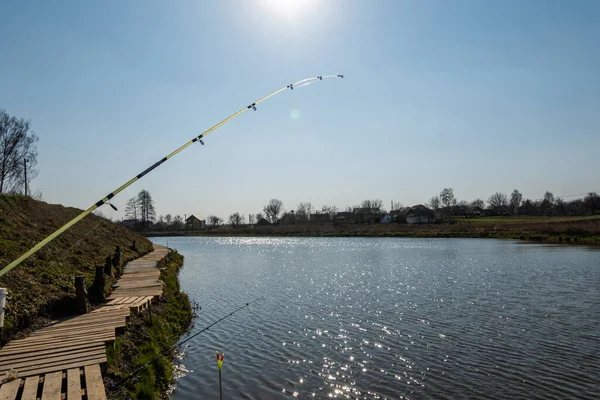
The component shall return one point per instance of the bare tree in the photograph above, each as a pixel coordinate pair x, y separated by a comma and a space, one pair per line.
251, 219
515, 201
146, 205
447, 198
547, 203
273, 209
161, 224
592, 202
396, 205
477, 203
132, 209
304, 211
372, 204
331, 211
236, 219
259, 216
177, 223
434, 203
498, 200
168, 219
18, 153
214, 221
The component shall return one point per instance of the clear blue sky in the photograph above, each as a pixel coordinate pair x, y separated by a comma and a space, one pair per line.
480, 96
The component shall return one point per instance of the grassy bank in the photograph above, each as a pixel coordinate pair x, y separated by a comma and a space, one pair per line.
42, 286
148, 335
569, 230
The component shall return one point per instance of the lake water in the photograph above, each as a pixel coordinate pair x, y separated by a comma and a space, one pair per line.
392, 318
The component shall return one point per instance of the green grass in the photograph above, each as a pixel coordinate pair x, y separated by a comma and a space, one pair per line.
42, 286
146, 337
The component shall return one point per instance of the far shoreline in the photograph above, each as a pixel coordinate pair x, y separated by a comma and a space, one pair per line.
527, 236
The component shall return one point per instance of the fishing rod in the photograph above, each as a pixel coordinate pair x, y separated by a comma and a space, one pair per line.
139, 176
164, 353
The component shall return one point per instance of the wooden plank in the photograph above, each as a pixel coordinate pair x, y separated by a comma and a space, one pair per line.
52, 386
137, 279
35, 346
30, 389
139, 286
19, 354
122, 300
92, 325
74, 384
117, 310
88, 317
95, 325
53, 359
26, 346
76, 332
66, 332
128, 273
98, 320
143, 291
94, 386
9, 390
44, 370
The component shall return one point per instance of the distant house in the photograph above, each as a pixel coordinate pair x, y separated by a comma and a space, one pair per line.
129, 223
320, 219
343, 217
419, 214
193, 223
288, 219
262, 222
365, 215
399, 215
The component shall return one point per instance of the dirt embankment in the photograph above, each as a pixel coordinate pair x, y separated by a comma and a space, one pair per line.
42, 286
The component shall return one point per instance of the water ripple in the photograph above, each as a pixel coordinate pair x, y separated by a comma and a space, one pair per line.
392, 318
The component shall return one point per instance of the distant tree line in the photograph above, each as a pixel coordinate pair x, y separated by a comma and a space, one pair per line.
501, 204
446, 205
140, 210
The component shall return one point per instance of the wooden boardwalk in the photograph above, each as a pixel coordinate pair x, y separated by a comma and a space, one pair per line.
65, 359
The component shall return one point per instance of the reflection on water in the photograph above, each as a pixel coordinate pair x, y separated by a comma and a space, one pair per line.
392, 318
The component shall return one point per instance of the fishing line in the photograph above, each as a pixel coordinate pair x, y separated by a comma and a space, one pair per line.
107, 198
164, 353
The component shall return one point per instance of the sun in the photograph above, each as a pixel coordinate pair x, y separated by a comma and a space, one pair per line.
289, 8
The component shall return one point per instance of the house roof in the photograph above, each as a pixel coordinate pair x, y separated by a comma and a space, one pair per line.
193, 217
401, 211
419, 209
